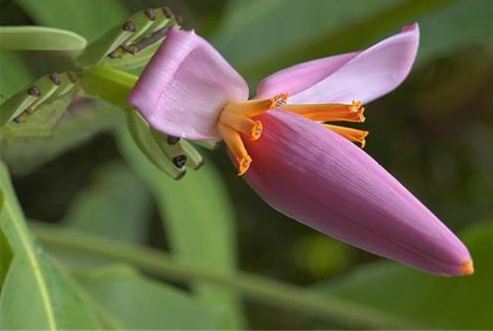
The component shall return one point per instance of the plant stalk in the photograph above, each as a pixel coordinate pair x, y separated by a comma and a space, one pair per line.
108, 84
257, 288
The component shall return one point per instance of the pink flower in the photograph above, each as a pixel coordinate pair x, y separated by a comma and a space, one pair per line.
303, 168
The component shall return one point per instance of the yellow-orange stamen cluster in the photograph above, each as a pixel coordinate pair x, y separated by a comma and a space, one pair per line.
355, 135
237, 117
325, 112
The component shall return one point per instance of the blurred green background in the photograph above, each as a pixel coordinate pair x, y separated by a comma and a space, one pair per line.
435, 134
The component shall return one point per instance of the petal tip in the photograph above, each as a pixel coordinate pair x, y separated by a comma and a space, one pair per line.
411, 27
467, 268
176, 32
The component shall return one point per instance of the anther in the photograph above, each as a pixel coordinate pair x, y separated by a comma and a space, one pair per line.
281, 99
256, 107
354, 135
243, 124
256, 130
172, 140
236, 147
179, 161
243, 164
129, 26
167, 12
151, 15
34, 91
179, 19
355, 106
55, 78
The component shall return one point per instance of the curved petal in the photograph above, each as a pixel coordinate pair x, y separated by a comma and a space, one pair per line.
184, 87
370, 74
297, 78
317, 177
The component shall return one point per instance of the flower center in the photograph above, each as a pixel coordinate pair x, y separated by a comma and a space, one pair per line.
236, 120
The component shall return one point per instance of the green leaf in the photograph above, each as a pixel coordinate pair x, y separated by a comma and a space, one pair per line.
38, 38
88, 18
199, 223
5, 257
253, 30
36, 293
443, 303
15, 75
130, 301
116, 204
24, 154
450, 30
262, 290
288, 32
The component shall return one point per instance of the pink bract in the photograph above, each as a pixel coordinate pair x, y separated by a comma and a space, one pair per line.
298, 166
324, 181
185, 85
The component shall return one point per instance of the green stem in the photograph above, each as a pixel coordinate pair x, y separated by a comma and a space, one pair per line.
108, 84
257, 288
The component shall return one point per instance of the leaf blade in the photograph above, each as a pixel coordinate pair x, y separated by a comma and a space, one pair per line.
160, 305
201, 229
39, 38
82, 17
116, 205
426, 299
36, 294
15, 75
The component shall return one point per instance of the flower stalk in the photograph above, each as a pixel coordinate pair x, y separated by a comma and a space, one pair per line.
260, 289
108, 84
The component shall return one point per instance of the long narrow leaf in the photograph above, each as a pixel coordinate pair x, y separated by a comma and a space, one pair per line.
131, 301
199, 222
440, 303
39, 38
89, 18
36, 294
14, 75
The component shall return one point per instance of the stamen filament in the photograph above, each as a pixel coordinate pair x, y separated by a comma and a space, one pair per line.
245, 125
254, 108
354, 135
329, 111
236, 147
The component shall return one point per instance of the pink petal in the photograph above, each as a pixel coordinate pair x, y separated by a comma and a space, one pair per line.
313, 175
364, 76
302, 76
184, 87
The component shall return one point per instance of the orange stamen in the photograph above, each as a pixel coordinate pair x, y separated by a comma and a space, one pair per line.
253, 108
350, 134
245, 125
237, 117
235, 145
329, 111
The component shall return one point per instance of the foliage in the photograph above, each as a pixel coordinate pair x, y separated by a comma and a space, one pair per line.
95, 268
